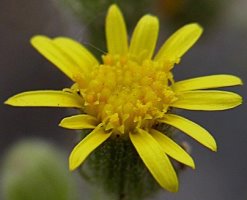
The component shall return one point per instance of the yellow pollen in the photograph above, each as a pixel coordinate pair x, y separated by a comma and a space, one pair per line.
124, 94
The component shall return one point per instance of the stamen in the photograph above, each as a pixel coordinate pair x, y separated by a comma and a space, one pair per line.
126, 95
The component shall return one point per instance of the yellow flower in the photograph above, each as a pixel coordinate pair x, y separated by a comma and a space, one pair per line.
131, 92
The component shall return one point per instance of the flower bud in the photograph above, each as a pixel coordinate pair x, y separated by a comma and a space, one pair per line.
35, 170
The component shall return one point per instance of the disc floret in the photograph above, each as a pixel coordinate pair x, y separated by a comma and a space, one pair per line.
125, 94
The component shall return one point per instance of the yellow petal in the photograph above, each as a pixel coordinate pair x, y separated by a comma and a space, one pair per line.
47, 98
81, 56
57, 56
207, 82
116, 34
79, 122
207, 100
155, 159
144, 38
192, 129
172, 148
180, 42
86, 146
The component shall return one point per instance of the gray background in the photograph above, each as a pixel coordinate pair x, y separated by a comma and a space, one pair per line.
222, 49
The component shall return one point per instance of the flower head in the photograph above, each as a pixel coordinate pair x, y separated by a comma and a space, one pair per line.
131, 92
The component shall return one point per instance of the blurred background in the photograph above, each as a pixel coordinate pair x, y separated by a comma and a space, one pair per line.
221, 49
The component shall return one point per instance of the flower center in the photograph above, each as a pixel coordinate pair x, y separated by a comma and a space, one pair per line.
124, 94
